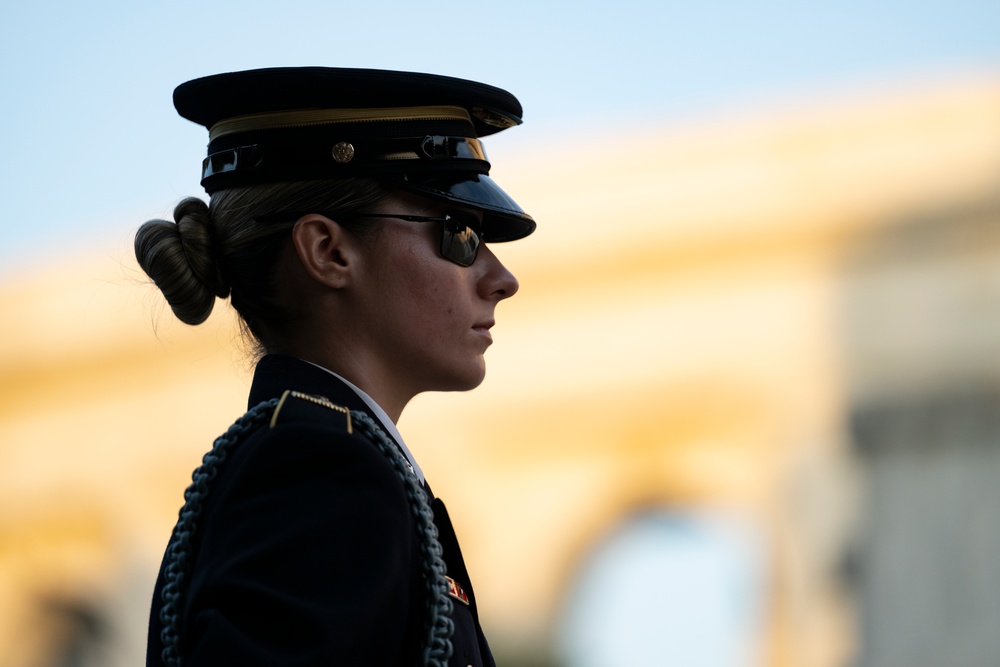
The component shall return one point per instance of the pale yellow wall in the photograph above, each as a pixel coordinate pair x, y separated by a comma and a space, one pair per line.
674, 341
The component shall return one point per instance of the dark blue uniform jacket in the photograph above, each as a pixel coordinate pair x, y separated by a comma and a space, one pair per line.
306, 552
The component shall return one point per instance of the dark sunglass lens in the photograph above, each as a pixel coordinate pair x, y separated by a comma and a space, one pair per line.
459, 241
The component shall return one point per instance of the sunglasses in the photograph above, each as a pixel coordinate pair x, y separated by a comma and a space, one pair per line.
459, 239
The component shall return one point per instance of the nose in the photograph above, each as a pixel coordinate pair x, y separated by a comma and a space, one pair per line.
496, 281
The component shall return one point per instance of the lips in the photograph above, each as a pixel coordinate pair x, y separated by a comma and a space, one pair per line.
483, 328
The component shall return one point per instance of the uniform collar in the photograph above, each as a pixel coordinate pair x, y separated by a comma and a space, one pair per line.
277, 373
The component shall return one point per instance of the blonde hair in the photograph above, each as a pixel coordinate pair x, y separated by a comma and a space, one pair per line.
220, 249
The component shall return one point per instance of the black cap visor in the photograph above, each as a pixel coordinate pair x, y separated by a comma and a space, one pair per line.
503, 219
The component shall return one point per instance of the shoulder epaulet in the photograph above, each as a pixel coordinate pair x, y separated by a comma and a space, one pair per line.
296, 406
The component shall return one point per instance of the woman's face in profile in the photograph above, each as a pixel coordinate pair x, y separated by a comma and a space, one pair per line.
428, 318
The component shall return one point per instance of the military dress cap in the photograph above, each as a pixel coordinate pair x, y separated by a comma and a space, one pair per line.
419, 132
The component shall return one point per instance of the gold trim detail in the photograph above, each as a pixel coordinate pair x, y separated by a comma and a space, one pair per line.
493, 118
307, 117
318, 400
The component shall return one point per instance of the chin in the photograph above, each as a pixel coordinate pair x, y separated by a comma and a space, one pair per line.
468, 379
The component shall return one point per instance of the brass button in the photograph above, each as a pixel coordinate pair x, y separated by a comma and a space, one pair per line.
343, 152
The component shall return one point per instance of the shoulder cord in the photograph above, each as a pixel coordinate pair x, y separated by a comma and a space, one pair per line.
440, 626
180, 545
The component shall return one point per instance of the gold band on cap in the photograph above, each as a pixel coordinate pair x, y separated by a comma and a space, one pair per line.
306, 117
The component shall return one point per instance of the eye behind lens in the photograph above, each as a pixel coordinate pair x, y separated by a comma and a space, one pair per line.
459, 242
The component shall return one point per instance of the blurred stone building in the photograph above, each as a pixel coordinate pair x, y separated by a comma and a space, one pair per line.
742, 412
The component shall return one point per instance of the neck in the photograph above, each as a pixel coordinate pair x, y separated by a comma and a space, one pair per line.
367, 376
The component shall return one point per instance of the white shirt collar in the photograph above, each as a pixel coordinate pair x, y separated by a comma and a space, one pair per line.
382, 417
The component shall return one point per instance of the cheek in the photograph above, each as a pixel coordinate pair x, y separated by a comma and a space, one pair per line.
433, 289
428, 290
434, 304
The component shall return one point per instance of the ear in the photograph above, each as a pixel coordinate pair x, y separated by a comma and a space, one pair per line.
325, 249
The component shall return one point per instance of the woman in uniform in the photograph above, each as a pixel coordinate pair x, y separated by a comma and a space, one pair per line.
348, 223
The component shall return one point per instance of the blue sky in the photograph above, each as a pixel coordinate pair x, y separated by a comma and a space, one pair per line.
91, 144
